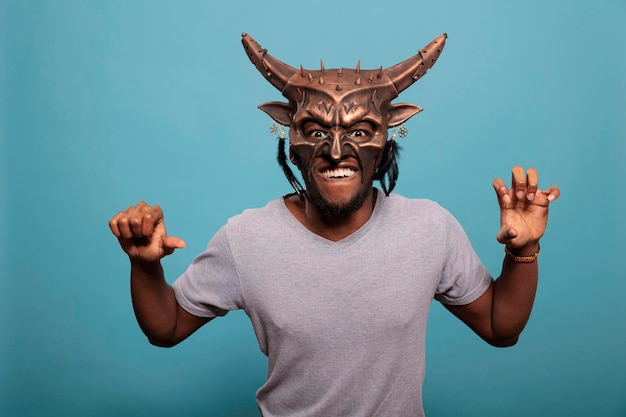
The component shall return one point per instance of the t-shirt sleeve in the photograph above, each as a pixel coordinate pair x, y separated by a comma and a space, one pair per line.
464, 277
210, 286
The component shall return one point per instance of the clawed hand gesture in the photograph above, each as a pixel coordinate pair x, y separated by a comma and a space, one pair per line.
141, 232
523, 208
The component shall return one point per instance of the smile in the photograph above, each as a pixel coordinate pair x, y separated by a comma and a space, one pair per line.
338, 173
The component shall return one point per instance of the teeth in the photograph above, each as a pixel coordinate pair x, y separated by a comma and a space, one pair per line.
338, 173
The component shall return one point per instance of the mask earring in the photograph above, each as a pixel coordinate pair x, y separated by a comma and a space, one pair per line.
274, 129
403, 132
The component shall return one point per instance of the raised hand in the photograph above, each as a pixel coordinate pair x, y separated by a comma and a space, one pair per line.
141, 232
523, 208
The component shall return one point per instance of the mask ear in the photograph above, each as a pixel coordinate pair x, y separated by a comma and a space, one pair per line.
281, 112
400, 113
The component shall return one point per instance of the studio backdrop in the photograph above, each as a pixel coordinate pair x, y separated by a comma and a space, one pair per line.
107, 103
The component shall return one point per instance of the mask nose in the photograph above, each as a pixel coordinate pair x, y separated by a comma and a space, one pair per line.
336, 144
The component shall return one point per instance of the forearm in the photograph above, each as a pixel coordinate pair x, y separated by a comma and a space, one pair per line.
154, 302
513, 296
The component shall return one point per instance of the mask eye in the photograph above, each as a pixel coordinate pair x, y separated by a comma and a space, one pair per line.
318, 134
358, 134
362, 131
314, 131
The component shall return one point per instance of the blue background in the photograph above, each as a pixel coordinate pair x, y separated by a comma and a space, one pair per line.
104, 103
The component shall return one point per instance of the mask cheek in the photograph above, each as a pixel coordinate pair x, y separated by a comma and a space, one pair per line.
370, 158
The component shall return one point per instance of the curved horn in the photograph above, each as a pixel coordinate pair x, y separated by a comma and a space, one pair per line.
275, 71
407, 72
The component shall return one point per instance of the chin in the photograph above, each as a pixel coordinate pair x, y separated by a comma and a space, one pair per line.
337, 208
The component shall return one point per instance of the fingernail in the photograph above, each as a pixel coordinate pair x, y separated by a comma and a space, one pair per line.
520, 194
506, 198
531, 196
551, 197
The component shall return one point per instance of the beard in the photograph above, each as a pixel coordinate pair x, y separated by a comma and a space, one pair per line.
328, 208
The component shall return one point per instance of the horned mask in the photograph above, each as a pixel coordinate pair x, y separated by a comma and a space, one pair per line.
339, 99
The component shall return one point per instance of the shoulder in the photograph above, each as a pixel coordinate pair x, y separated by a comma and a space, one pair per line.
416, 216
256, 220
271, 208
399, 205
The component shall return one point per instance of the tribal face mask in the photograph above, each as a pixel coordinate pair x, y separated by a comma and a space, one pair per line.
329, 109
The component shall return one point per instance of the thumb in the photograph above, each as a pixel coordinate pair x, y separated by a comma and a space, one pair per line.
170, 243
506, 234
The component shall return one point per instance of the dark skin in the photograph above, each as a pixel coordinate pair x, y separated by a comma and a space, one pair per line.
336, 191
141, 232
498, 316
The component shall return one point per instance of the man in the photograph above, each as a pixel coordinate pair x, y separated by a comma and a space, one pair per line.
338, 277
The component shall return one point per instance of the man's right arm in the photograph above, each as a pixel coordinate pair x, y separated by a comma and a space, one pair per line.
141, 233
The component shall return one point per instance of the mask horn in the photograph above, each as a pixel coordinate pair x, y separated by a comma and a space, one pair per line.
275, 71
407, 72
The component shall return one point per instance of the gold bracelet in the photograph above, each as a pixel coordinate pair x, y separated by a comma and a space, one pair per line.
523, 259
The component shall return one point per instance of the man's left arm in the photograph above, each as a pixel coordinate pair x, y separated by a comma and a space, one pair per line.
500, 314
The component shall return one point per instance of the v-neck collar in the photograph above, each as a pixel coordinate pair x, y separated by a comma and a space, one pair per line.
321, 242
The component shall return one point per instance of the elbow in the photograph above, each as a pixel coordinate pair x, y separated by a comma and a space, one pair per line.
162, 343
503, 342
503, 336
161, 339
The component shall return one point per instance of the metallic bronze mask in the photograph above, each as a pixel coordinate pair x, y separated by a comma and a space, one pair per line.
338, 100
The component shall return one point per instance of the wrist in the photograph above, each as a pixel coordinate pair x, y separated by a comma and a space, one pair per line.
525, 254
144, 265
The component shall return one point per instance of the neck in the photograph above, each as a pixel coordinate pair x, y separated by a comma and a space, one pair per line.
329, 226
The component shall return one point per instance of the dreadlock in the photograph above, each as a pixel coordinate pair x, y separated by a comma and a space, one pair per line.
388, 168
281, 157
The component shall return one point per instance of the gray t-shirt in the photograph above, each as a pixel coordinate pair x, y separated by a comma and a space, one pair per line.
343, 323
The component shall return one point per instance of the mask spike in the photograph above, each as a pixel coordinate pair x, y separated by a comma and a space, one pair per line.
339, 87
358, 81
310, 77
405, 73
380, 72
275, 71
418, 72
340, 72
322, 69
358, 67
321, 80
302, 71
371, 78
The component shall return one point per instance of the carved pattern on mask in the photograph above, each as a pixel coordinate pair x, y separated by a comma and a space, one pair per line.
340, 98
